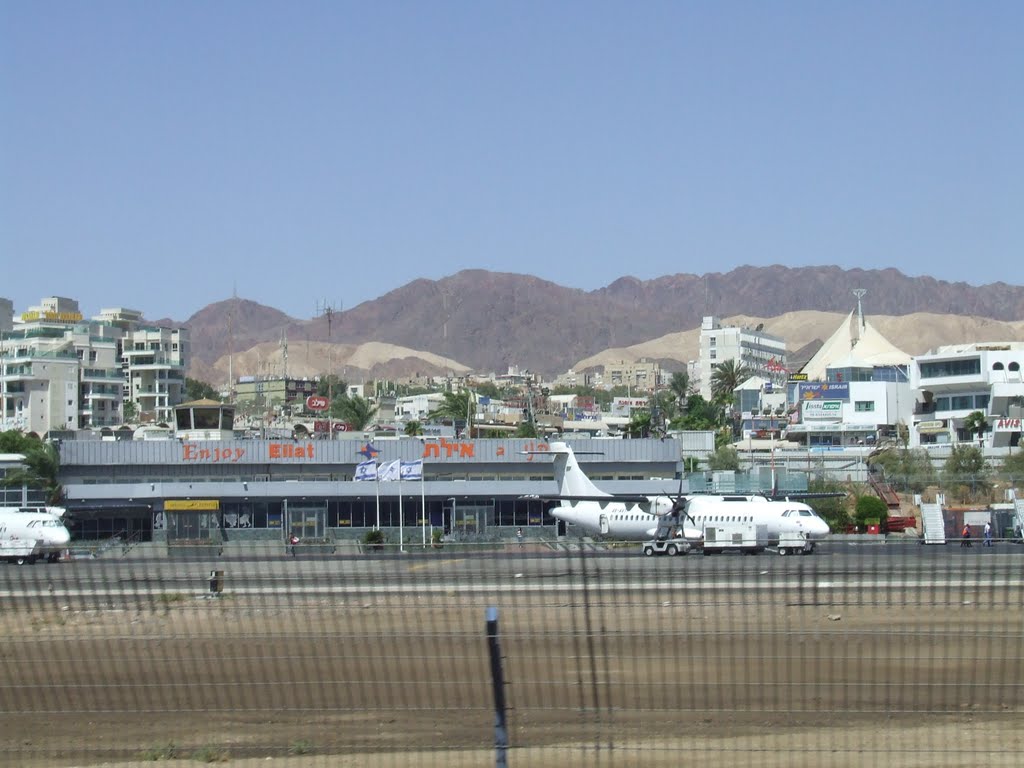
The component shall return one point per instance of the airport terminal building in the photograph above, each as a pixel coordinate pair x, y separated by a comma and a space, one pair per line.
268, 490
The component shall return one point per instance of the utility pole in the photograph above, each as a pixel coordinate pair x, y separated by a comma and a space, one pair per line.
324, 309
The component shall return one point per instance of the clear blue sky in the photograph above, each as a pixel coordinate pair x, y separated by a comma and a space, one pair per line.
156, 154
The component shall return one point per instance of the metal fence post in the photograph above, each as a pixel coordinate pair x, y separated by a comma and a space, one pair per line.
498, 683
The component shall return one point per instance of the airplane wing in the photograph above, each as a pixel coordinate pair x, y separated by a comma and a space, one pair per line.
604, 499
800, 495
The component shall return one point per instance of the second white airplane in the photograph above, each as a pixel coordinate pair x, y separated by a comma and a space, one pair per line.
646, 517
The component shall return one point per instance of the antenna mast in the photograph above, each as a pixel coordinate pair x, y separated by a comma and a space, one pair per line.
231, 340
284, 352
325, 309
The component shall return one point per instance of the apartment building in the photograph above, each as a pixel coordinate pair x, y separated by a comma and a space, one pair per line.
59, 371
762, 353
952, 382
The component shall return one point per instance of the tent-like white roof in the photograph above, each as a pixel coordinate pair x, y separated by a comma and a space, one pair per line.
856, 343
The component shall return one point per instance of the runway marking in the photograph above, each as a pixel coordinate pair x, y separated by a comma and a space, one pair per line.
423, 566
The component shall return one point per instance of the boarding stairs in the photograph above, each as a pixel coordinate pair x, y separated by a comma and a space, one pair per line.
1018, 517
934, 524
884, 490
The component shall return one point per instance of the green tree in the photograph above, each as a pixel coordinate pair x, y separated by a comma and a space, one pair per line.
726, 377
679, 386
526, 428
834, 510
129, 412
966, 472
487, 389
1013, 467
40, 468
195, 389
975, 423
639, 423
725, 458
906, 470
457, 406
699, 414
414, 428
354, 410
870, 508
331, 386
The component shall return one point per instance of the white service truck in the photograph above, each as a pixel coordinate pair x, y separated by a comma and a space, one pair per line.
735, 537
20, 551
794, 542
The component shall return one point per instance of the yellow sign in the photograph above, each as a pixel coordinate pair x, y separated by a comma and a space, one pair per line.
191, 505
51, 316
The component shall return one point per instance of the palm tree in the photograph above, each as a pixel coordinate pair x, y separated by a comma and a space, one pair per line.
414, 428
39, 469
976, 423
679, 386
726, 377
456, 407
639, 424
354, 410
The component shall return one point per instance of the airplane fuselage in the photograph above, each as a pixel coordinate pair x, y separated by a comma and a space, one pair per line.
636, 522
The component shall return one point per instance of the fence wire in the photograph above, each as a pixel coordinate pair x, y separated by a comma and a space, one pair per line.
900, 655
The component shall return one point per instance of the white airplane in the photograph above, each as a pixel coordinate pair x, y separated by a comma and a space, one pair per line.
31, 533
642, 518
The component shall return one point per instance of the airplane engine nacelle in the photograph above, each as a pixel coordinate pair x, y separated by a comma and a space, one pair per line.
661, 506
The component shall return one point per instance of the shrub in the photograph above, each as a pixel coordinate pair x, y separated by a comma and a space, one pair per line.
374, 539
871, 508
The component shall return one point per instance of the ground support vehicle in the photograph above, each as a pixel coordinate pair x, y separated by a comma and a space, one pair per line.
20, 551
666, 547
794, 543
735, 537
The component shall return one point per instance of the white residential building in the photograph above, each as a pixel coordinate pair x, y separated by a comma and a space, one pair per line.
61, 372
953, 381
762, 353
153, 361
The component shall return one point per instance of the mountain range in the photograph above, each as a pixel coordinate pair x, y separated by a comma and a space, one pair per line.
484, 321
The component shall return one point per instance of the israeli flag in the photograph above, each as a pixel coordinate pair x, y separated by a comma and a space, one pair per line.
389, 471
366, 470
412, 470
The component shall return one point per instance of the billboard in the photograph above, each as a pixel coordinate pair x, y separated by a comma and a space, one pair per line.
829, 390
822, 410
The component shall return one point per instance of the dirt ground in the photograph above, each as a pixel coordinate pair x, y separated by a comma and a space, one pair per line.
622, 680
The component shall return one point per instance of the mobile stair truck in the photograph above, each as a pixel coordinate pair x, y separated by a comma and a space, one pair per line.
668, 539
735, 537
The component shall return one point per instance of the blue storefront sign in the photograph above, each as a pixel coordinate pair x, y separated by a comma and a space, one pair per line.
829, 390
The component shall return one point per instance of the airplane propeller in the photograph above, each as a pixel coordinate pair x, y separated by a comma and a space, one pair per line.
679, 504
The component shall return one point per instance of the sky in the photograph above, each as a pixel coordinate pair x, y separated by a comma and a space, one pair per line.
161, 155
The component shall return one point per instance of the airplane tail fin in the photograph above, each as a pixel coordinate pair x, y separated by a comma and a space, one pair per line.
572, 481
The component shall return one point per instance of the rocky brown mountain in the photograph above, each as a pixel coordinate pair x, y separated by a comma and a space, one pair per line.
490, 320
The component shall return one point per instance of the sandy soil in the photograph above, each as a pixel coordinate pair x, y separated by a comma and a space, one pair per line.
630, 680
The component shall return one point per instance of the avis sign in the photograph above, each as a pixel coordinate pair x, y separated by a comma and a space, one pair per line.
1008, 425
317, 403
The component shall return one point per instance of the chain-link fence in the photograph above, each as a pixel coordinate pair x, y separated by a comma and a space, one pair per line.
897, 655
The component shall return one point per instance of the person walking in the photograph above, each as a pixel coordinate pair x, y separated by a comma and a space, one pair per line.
988, 535
965, 536
519, 537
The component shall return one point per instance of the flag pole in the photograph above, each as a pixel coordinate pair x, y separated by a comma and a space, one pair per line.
376, 480
423, 507
401, 521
